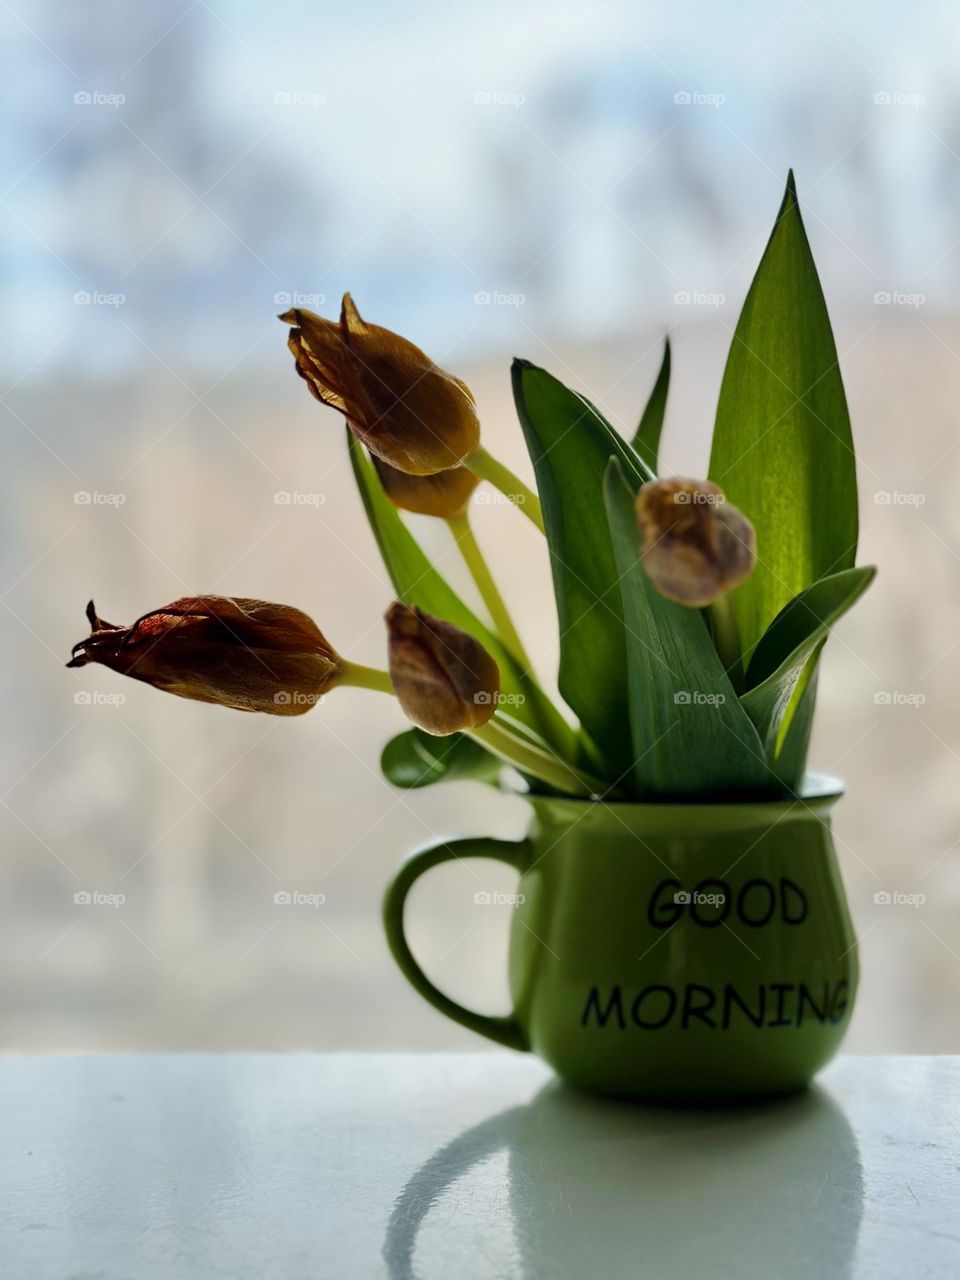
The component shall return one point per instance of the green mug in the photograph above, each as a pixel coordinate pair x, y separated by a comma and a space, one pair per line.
666, 952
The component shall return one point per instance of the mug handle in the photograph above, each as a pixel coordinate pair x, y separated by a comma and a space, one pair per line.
504, 1030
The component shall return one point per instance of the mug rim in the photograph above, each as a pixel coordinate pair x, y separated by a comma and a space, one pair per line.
819, 792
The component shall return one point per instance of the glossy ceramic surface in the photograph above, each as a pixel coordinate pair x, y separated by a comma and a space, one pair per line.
676, 953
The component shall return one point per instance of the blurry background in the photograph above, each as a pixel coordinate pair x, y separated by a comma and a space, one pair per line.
562, 181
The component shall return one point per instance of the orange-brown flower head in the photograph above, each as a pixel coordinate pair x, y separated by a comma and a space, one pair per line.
696, 545
446, 494
444, 678
248, 654
404, 408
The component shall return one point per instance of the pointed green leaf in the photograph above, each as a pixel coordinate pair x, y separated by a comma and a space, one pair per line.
417, 582
647, 438
783, 661
418, 759
782, 449
805, 620
570, 444
690, 734
787, 751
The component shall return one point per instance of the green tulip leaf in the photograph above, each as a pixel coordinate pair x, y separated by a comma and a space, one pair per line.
646, 441
417, 582
690, 734
782, 664
782, 448
417, 759
787, 752
570, 444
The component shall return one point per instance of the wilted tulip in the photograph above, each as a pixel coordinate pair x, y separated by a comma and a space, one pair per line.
444, 679
404, 408
696, 546
247, 654
446, 494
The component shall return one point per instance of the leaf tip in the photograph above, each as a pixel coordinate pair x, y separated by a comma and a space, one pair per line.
790, 200
613, 474
518, 370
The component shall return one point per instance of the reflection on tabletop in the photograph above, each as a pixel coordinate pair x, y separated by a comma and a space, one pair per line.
598, 1187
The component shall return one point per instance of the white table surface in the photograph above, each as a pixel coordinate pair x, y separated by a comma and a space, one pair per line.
465, 1167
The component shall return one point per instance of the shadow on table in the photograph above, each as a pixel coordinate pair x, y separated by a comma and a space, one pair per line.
608, 1189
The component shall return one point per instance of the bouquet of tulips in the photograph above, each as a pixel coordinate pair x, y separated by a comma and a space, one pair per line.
692, 613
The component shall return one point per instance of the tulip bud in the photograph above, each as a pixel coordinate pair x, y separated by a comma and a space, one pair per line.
446, 494
696, 545
247, 654
406, 410
444, 679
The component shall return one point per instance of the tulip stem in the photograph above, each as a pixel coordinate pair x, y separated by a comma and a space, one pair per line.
535, 760
726, 637
361, 677
486, 466
466, 540
499, 736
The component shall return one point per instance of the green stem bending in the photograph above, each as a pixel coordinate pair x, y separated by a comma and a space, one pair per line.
726, 637
358, 676
499, 738
486, 466
534, 760
466, 540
